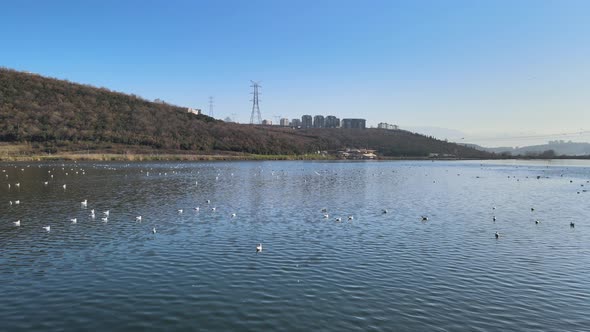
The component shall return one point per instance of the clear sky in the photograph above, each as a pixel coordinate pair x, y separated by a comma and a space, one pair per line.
496, 71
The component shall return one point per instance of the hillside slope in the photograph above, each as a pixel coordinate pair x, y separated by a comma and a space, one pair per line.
59, 115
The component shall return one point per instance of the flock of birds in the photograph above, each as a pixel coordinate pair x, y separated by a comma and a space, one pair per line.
106, 214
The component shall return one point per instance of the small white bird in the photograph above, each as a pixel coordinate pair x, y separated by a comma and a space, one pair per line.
497, 235
180, 210
154, 230
74, 220
259, 248
92, 215
424, 218
208, 201
17, 202
107, 213
105, 219
233, 215
338, 219
326, 216
10, 202
45, 183
16, 223
17, 184
213, 209
384, 211
47, 228
138, 218
350, 217
197, 209
537, 221
64, 186
84, 203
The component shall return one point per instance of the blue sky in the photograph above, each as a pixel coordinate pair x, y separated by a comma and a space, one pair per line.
497, 71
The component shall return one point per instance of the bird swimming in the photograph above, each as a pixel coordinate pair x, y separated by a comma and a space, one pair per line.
537, 221
74, 220
154, 230
138, 218
233, 215
494, 218
424, 218
47, 228
180, 210
384, 211
84, 203
326, 216
350, 217
572, 225
497, 235
107, 213
338, 219
259, 248
197, 209
16, 223
105, 219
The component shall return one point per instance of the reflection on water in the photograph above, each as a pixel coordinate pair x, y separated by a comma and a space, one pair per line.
382, 271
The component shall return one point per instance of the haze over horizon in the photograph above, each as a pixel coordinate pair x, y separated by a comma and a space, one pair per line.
501, 73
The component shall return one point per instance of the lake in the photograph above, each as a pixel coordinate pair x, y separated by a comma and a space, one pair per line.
379, 271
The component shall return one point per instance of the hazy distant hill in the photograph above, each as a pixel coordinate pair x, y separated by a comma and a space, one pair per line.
560, 148
57, 115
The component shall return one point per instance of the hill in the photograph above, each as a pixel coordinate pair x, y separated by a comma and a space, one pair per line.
52, 115
556, 148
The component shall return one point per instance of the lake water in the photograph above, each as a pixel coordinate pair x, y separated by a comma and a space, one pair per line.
380, 271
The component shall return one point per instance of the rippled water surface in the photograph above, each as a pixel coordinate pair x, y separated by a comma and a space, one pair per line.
379, 271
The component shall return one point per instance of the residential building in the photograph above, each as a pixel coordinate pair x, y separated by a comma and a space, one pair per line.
195, 111
354, 123
306, 121
284, 122
267, 122
318, 121
384, 125
296, 123
332, 122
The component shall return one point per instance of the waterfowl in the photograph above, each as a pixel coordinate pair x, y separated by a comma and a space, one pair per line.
259, 248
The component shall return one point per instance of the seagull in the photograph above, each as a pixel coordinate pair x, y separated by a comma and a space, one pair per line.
17, 184
497, 235
84, 203
10, 202
47, 228
17, 223
572, 225
233, 215
154, 230
326, 216
259, 248
494, 218
105, 219
532, 209
92, 214
138, 218
45, 183
74, 220
197, 209
180, 210
64, 186
384, 211
350, 217
424, 218
213, 209
107, 213
208, 202
493, 208
537, 221
338, 219
17, 202
324, 210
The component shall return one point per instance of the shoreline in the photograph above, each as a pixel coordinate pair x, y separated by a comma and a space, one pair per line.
138, 157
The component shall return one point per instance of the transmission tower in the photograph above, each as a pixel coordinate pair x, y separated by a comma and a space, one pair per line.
211, 106
255, 118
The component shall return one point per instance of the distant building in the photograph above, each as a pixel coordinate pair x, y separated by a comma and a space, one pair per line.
296, 123
354, 123
332, 122
357, 154
284, 122
318, 121
306, 121
267, 122
195, 111
384, 125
